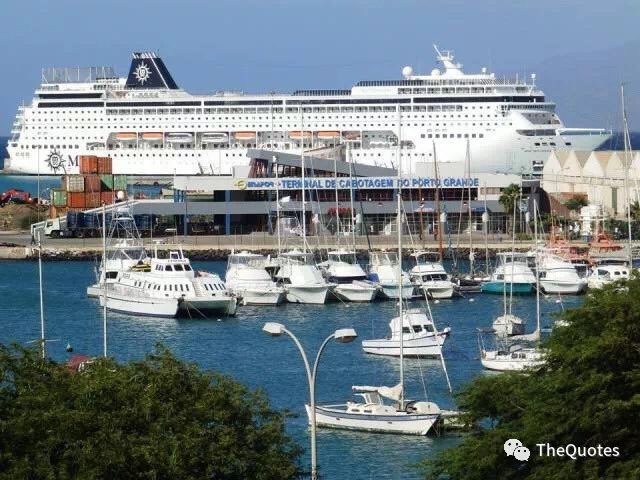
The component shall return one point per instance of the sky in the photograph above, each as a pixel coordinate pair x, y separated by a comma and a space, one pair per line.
580, 50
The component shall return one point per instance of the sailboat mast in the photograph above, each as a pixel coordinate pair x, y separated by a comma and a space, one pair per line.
42, 338
468, 162
627, 165
486, 232
399, 224
351, 204
275, 165
437, 201
335, 184
104, 281
304, 205
535, 237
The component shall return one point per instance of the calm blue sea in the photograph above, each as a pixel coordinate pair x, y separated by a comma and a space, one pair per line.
238, 347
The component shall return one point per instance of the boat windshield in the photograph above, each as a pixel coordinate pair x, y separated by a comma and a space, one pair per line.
256, 261
346, 257
384, 258
423, 258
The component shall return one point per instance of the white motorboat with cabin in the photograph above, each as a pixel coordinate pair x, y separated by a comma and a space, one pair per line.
351, 284
248, 279
167, 286
429, 275
297, 272
608, 272
512, 273
420, 338
514, 358
556, 275
383, 270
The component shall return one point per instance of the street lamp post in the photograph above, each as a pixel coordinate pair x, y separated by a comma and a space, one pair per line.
342, 335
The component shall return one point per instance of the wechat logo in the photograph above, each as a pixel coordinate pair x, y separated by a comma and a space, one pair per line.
513, 447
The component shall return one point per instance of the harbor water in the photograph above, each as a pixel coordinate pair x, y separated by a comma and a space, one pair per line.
238, 347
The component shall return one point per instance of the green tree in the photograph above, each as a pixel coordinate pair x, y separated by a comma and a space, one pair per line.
576, 203
508, 199
587, 394
635, 211
158, 418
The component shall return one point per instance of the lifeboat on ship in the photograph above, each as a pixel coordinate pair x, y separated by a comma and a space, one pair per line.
244, 136
297, 134
152, 136
351, 135
126, 136
180, 137
328, 135
214, 137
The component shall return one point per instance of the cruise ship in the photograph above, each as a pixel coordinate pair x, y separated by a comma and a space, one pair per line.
150, 126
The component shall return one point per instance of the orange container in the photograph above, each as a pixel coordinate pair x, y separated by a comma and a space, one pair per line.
92, 200
75, 199
104, 165
92, 183
107, 197
88, 164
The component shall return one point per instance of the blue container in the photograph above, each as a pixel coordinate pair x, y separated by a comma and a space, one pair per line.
143, 222
91, 220
75, 220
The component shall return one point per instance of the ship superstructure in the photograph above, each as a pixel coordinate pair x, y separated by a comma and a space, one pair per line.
149, 126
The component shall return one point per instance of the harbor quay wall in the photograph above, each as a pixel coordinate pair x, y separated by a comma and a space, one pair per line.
219, 247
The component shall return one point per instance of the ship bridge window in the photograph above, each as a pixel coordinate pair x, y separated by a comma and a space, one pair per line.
417, 328
178, 268
169, 268
406, 330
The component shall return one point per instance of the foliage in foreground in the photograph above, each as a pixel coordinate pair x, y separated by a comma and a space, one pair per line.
158, 418
587, 394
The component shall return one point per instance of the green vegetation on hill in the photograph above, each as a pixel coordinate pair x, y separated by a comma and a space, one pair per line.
587, 395
157, 418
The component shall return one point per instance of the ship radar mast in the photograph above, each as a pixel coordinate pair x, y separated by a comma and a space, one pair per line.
446, 57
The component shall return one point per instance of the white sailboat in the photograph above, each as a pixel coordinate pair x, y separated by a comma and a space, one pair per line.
371, 413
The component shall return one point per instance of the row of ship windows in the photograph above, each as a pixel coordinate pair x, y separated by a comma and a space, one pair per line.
169, 287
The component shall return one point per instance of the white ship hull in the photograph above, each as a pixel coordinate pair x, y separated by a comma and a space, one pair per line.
400, 422
438, 291
251, 296
224, 306
393, 292
505, 154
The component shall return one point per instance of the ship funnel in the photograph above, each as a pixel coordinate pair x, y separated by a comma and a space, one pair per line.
148, 71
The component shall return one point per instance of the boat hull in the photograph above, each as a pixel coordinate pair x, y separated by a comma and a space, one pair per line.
352, 292
569, 288
148, 307
430, 346
438, 292
499, 287
224, 306
260, 297
393, 292
401, 422
308, 295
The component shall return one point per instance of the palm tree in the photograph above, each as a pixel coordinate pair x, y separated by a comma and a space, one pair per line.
508, 199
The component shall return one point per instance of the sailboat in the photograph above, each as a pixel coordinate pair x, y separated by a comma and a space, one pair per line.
515, 357
370, 412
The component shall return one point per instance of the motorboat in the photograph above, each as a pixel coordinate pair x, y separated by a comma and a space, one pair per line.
298, 273
512, 273
557, 275
420, 338
605, 273
429, 275
248, 279
167, 286
351, 284
383, 270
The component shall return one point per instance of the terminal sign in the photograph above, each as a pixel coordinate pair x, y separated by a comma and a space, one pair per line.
359, 183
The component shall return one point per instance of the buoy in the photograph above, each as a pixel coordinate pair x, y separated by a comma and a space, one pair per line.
471, 300
69, 348
436, 301
558, 301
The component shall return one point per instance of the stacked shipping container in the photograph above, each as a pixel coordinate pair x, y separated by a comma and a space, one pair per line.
95, 185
